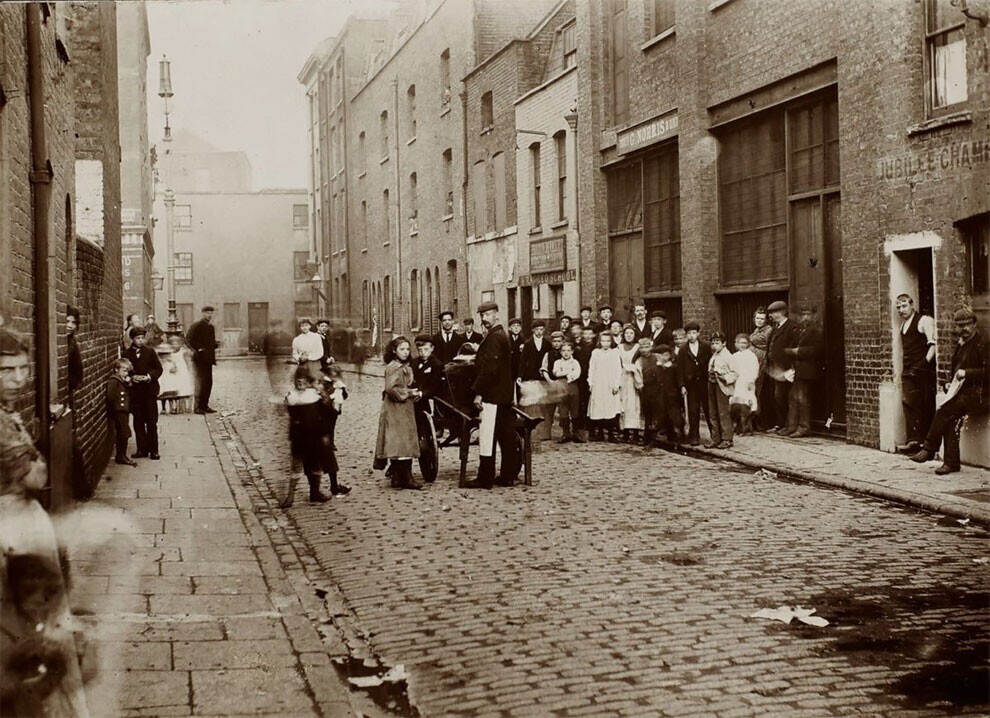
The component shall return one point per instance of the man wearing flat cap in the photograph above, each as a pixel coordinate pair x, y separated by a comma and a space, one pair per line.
470, 335
494, 393
968, 394
780, 363
806, 353
202, 340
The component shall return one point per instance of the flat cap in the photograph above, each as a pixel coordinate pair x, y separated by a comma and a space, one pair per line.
604, 307
487, 307
514, 320
71, 311
444, 313
586, 308
557, 335
662, 348
423, 339
137, 331
777, 306
692, 326
964, 316
208, 308
538, 323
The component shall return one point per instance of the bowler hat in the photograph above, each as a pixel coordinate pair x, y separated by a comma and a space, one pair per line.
538, 323
487, 307
964, 316
658, 314
777, 306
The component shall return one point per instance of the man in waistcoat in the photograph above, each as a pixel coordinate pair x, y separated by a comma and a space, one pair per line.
917, 336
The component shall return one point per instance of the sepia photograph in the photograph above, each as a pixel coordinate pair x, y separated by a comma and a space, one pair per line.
494, 358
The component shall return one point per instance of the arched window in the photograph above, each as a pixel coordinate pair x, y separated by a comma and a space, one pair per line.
452, 288
365, 305
387, 301
428, 313
414, 298
411, 106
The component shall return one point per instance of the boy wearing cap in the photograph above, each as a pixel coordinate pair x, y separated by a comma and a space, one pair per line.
659, 333
470, 335
721, 385
146, 370
564, 325
692, 360
546, 373
779, 362
605, 315
531, 357
202, 340
971, 382
516, 341
587, 322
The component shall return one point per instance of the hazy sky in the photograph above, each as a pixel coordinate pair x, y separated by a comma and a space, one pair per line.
234, 67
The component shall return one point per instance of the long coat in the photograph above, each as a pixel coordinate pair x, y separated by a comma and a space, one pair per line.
494, 382
147, 363
531, 359
397, 437
604, 374
202, 339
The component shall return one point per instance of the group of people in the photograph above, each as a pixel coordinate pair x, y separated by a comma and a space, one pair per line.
147, 373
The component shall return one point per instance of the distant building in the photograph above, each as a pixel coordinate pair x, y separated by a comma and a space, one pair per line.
136, 179
77, 75
244, 252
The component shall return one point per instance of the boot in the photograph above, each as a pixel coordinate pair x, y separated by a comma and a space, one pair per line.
315, 495
338, 489
406, 478
649, 439
565, 427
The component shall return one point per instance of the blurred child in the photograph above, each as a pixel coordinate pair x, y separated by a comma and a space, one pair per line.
334, 394
721, 385
567, 371
671, 418
604, 382
118, 397
743, 402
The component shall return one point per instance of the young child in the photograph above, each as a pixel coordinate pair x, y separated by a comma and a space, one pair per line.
671, 420
145, 373
604, 382
428, 378
721, 385
546, 372
309, 437
119, 408
648, 384
334, 394
567, 371
743, 402
398, 438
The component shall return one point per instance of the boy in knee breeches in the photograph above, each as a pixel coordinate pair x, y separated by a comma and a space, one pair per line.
119, 409
567, 372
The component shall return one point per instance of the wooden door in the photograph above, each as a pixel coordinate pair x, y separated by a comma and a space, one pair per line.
257, 325
835, 342
626, 272
526, 308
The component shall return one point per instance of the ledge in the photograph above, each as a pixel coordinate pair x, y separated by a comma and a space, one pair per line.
560, 223
937, 123
536, 230
487, 129
383, 160
386, 244
362, 174
445, 111
447, 217
364, 251
410, 140
414, 233
649, 44
716, 4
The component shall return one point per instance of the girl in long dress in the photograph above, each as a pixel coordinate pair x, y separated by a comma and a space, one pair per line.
605, 381
632, 374
176, 381
398, 440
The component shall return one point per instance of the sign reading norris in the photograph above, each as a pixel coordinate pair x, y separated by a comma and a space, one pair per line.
648, 133
547, 255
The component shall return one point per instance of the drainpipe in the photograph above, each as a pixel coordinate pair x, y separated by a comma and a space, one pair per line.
41, 177
572, 122
462, 209
399, 280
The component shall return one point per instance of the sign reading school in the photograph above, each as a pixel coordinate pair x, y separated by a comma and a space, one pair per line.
656, 130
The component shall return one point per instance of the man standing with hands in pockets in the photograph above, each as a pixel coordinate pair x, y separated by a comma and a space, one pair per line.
202, 339
494, 394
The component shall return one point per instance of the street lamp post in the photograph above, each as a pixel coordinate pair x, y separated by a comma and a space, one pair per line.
165, 92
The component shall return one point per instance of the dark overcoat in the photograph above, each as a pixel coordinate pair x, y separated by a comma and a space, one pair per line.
494, 382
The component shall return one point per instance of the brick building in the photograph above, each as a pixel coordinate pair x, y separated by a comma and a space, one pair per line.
136, 182
743, 151
494, 241
225, 231
77, 78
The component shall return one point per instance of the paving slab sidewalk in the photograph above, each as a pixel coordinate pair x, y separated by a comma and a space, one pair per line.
185, 595
965, 495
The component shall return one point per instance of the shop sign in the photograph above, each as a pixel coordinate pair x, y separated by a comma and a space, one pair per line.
935, 161
656, 130
547, 255
528, 280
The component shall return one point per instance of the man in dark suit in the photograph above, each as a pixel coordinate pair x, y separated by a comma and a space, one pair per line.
446, 342
147, 369
972, 396
780, 363
660, 333
516, 341
806, 353
532, 353
494, 394
202, 340
640, 323
587, 322
470, 335
692, 361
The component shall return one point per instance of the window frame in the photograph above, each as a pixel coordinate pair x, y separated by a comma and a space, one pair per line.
180, 225
179, 262
536, 169
304, 215
487, 112
668, 27
560, 150
383, 129
931, 35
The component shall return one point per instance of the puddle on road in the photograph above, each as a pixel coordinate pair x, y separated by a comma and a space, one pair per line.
889, 626
390, 696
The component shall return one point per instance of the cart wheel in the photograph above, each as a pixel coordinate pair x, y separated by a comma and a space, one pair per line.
428, 454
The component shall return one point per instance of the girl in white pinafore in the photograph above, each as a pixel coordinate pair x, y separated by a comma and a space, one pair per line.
605, 380
632, 415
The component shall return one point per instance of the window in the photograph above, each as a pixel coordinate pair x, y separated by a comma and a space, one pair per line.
479, 193
976, 235
569, 38
487, 112
428, 306
183, 268
813, 132
662, 222
333, 151
619, 61
365, 305
560, 145
183, 216
301, 267
663, 16
362, 154
534, 158
363, 219
300, 216
945, 54
452, 286
411, 106
231, 315
625, 199
413, 204
387, 214
753, 201
387, 302
448, 182
498, 170
445, 80
383, 122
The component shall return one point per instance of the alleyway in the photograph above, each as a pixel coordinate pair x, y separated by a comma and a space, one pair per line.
622, 582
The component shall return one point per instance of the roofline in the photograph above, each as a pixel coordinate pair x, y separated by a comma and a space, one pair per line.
491, 58
526, 39
545, 84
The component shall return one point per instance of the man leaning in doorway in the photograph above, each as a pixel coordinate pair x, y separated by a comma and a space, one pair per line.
202, 340
494, 394
968, 395
918, 372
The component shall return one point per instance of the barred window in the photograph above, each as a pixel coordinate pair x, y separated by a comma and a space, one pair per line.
625, 199
814, 145
183, 268
662, 222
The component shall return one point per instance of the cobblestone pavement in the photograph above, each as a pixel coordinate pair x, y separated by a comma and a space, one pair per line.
622, 582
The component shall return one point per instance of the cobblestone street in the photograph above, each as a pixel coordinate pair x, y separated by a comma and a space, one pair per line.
622, 582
